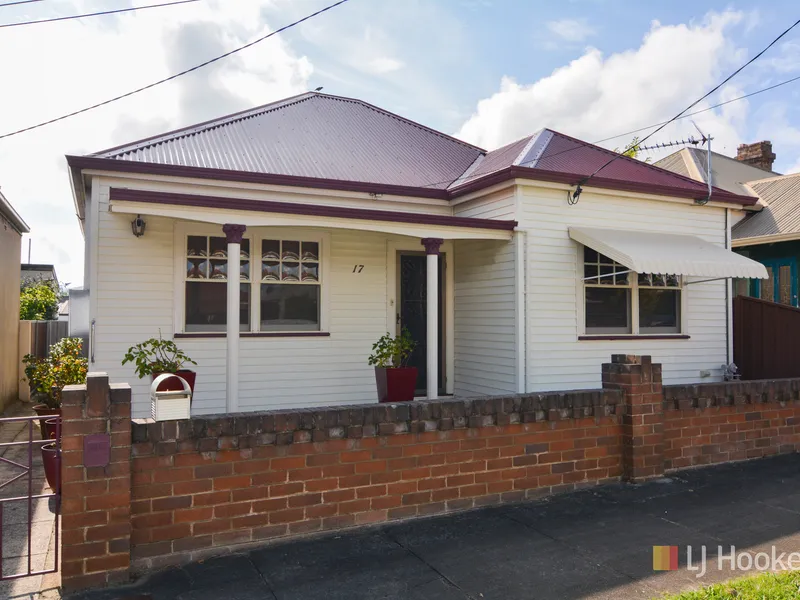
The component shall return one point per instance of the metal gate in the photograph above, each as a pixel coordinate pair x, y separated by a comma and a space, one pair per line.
22, 496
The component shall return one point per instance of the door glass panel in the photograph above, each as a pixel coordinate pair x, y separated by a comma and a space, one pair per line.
785, 285
768, 286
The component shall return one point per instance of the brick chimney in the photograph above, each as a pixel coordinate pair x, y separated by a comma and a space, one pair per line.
759, 154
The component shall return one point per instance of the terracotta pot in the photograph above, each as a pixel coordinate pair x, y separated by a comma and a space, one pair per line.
172, 384
45, 411
396, 384
51, 458
50, 428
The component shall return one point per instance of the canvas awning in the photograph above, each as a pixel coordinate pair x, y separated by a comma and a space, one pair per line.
668, 253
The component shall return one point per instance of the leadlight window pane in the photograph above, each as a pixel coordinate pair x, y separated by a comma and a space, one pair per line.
287, 307
310, 251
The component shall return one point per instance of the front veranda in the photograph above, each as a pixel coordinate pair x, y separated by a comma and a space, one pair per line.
315, 293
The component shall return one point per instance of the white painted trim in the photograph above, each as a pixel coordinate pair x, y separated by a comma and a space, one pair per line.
432, 325
92, 257
729, 291
446, 250
221, 186
232, 327
530, 183
522, 295
765, 239
256, 219
449, 321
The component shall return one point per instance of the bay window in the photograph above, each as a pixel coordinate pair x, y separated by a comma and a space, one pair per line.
618, 301
280, 279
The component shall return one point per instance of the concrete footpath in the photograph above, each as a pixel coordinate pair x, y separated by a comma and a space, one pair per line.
15, 549
594, 544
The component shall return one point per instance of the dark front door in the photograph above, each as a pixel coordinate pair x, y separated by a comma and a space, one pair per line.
413, 313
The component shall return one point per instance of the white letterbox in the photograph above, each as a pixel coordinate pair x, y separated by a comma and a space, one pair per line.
171, 405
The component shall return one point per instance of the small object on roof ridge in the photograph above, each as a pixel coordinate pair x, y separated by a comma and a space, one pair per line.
319, 89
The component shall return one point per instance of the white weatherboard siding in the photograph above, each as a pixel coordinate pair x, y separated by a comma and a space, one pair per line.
556, 359
485, 304
134, 295
485, 318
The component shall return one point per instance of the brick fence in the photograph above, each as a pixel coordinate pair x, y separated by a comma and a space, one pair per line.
176, 491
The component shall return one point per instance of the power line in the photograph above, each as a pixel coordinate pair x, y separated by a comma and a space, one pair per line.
174, 76
645, 128
96, 14
697, 112
692, 105
18, 2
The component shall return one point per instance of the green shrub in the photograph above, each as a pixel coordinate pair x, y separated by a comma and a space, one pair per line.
391, 351
64, 366
38, 301
156, 355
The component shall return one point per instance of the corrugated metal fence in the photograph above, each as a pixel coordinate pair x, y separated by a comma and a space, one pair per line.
766, 339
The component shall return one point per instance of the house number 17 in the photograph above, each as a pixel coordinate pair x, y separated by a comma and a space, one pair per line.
358, 268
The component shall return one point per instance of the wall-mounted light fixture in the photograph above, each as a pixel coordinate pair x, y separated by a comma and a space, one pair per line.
138, 226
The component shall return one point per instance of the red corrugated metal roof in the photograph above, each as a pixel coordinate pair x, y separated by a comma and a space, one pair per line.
323, 141
313, 135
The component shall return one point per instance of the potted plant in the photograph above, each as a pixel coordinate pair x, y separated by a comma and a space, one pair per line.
157, 356
63, 366
47, 376
396, 381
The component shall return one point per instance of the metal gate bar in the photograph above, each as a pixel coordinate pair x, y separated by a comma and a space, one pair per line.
30, 496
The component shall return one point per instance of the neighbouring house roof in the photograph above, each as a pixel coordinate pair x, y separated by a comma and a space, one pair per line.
38, 272
331, 142
726, 173
781, 213
12, 216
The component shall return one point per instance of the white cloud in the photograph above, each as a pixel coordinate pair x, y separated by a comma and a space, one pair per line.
102, 57
596, 96
571, 30
384, 64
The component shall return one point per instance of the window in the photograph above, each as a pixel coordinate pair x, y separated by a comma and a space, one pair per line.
290, 285
280, 291
618, 301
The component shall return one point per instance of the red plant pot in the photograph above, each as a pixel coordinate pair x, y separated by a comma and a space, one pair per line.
50, 428
48, 432
396, 384
51, 459
173, 385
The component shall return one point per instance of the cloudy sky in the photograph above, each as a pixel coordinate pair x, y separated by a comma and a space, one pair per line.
488, 71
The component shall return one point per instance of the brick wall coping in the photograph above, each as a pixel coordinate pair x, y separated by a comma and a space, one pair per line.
282, 427
730, 393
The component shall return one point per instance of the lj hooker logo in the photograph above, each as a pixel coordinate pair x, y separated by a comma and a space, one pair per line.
665, 558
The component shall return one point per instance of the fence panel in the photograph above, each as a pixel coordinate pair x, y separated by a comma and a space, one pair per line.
766, 339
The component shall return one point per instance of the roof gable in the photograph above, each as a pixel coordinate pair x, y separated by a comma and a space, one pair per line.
780, 216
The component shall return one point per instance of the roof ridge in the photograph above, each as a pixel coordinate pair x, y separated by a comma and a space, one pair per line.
262, 109
205, 125
403, 119
650, 166
771, 179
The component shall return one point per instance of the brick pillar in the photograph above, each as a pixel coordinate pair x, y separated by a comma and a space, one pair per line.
96, 500
643, 414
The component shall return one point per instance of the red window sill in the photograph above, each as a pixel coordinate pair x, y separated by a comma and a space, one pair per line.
662, 336
255, 334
